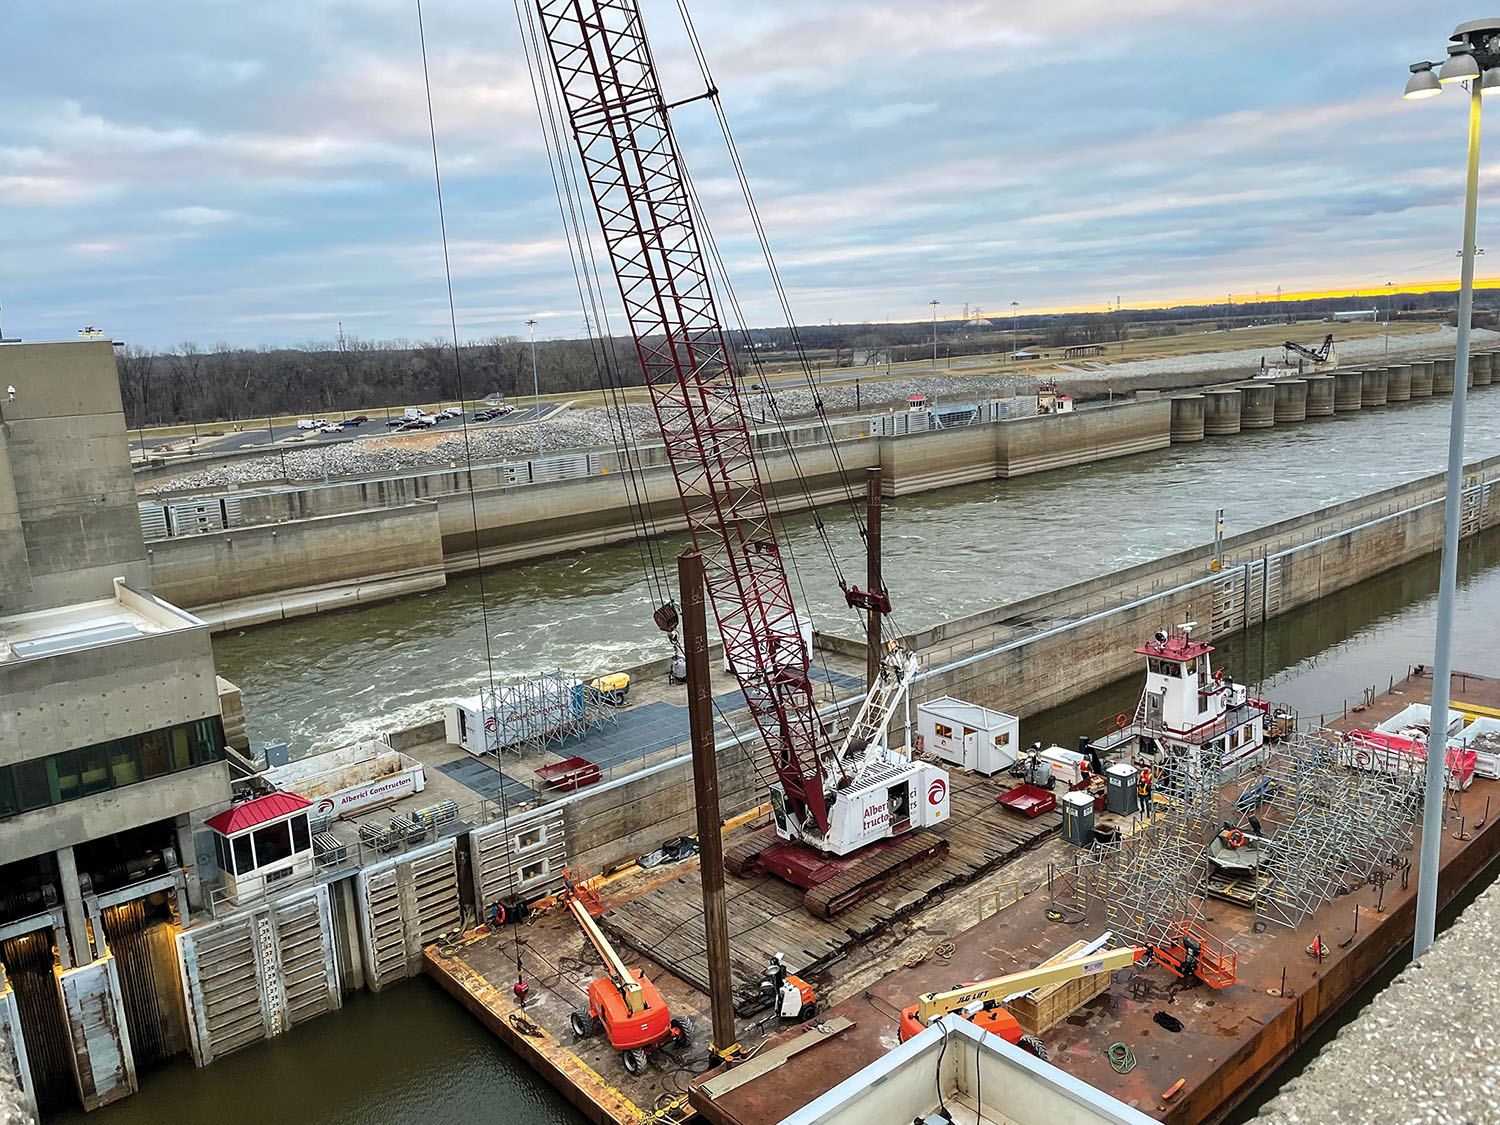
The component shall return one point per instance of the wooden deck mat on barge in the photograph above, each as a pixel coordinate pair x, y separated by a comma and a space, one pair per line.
766, 915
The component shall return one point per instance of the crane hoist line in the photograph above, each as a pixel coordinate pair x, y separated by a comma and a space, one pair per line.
832, 800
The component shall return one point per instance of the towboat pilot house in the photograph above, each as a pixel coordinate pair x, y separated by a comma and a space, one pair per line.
1190, 712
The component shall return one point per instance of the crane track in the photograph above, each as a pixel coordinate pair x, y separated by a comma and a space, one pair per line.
911, 853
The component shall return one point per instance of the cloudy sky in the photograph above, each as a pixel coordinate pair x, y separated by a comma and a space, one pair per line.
260, 172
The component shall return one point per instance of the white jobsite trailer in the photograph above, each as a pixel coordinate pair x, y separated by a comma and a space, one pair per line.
968, 735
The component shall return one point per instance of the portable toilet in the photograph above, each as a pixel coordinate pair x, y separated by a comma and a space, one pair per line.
1078, 819
967, 735
1122, 789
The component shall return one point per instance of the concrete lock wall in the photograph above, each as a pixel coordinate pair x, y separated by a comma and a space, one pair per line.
1319, 395
1482, 365
1372, 391
1398, 383
1291, 400
1221, 412
1187, 418
245, 575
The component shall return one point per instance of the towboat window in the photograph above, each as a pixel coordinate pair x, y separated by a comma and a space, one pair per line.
301, 841
244, 858
272, 843
1163, 667
944, 732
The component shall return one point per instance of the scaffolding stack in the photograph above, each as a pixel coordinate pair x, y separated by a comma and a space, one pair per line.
542, 712
1332, 826
1150, 881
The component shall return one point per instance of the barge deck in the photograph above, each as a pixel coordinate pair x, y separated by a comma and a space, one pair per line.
1230, 1039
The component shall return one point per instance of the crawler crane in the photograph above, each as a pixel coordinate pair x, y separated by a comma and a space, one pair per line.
847, 818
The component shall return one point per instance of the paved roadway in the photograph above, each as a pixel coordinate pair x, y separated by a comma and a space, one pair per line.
265, 435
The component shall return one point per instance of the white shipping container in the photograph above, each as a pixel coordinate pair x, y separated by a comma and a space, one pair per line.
804, 626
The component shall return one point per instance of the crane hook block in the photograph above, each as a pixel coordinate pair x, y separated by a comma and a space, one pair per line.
665, 616
879, 600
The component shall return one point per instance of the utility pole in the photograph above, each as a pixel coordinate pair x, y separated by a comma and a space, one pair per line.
536, 390
934, 305
706, 798
1014, 336
873, 581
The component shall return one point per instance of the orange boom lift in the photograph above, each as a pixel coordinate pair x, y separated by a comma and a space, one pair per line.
623, 1002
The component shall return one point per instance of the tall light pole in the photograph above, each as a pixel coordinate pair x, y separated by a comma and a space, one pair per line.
536, 390
1014, 345
1390, 305
1473, 55
934, 305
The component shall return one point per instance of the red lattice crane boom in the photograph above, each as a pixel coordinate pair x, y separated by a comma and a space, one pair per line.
614, 106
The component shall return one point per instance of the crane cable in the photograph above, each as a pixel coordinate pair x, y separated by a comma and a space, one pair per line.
590, 293
765, 245
819, 407
489, 656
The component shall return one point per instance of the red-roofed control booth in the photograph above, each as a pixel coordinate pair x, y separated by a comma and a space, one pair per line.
262, 842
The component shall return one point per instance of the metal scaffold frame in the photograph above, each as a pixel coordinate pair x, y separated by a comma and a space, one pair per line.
1333, 825
542, 712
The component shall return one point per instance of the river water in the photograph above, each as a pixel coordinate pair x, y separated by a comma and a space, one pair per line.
320, 681
414, 1053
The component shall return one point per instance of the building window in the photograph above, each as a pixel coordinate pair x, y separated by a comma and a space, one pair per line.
244, 858
1002, 739
943, 732
59, 778
301, 841
272, 843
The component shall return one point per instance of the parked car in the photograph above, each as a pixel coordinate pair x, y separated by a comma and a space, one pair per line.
397, 421
308, 423
331, 428
485, 415
358, 420
450, 412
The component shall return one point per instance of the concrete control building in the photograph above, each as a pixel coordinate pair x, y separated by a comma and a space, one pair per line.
111, 741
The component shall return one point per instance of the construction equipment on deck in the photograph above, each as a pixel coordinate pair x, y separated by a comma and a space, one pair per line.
623, 1003
789, 995
836, 810
983, 1003
1321, 356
